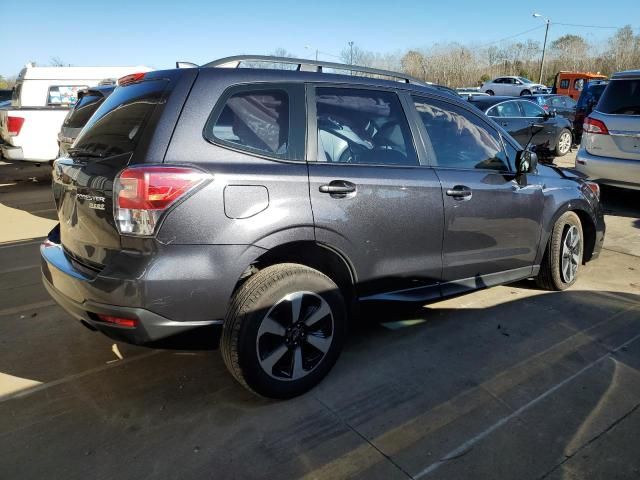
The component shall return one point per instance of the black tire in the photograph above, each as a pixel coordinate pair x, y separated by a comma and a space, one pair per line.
262, 294
551, 275
525, 92
562, 151
490, 92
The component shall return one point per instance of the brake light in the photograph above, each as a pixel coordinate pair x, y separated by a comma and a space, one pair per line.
133, 78
143, 194
120, 321
594, 187
14, 125
595, 126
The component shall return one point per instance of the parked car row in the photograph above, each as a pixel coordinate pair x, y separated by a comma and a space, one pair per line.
271, 202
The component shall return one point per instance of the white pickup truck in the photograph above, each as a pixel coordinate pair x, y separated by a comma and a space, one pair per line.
41, 99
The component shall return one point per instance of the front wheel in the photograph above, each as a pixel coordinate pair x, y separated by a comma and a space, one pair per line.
490, 92
563, 145
284, 330
563, 256
525, 92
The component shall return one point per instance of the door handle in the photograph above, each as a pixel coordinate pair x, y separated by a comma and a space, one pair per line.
459, 191
339, 187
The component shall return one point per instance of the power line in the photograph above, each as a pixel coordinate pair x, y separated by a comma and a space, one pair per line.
584, 26
511, 36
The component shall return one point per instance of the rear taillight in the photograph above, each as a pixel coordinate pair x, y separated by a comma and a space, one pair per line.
143, 194
595, 126
14, 125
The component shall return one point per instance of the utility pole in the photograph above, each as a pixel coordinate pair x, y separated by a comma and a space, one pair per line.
351, 53
544, 45
544, 48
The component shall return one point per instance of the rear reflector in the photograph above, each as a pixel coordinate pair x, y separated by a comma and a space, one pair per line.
14, 125
133, 78
143, 194
120, 321
597, 127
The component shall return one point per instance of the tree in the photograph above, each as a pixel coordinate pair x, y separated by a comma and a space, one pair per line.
57, 62
571, 51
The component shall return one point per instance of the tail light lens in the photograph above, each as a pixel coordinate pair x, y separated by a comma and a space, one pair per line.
143, 194
14, 125
120, 321
594, 187
595, 126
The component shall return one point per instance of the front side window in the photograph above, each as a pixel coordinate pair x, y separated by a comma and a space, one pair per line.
578, 84
459, 139
362, 127
254, 120
564, 83
505, 110
64, 95
531, 110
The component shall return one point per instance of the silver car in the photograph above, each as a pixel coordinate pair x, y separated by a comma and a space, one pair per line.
610, 148
512, 86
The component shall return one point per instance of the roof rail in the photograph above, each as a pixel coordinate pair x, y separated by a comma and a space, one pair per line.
309, 66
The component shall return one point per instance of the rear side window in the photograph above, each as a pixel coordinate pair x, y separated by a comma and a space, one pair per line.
621, 97
82, 111
255, 120
64, 95
362, 127
459, 139
117, 126
506, 110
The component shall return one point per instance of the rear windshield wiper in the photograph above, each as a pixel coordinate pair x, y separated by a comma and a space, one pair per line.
79, 152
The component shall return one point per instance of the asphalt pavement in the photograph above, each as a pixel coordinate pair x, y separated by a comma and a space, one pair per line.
505, 383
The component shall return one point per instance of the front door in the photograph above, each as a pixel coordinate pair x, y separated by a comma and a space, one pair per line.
492, 221
371, 199
510, 116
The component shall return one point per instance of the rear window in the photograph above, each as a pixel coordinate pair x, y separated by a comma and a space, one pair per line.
63, 95
621, 97
117, 125
254, 120
83, 109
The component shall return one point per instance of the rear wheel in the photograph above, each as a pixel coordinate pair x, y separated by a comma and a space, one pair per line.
284, 330
563, 256
490, 92
563, 145
525, 92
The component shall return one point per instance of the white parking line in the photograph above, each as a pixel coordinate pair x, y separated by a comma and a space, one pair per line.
456, 452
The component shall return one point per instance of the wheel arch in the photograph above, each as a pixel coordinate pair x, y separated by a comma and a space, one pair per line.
321, 257
587, 220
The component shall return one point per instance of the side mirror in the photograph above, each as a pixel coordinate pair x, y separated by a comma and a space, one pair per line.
551, 114
526, 162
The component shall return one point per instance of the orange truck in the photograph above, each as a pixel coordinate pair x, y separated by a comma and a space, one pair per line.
572, 83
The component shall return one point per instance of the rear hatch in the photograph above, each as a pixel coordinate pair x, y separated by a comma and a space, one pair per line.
114, 137
619, 110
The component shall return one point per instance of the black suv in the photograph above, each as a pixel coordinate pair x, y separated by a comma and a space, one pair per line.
271, 201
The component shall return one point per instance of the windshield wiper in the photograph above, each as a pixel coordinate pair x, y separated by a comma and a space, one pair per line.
79, 152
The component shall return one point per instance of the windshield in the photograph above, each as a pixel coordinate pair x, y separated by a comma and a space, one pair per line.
621, 97
524, 80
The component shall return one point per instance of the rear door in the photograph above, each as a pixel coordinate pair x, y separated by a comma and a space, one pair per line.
619, 109
492, 221
509, 116
371, 198
83, 181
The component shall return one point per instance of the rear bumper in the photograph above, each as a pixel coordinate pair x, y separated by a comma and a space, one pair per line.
11, 153
609, 171
184, 287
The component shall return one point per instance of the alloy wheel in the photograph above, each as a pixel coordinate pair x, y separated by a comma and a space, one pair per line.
570, 254
295, 335
564, 142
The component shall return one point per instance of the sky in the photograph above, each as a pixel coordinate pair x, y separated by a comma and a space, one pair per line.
158, 33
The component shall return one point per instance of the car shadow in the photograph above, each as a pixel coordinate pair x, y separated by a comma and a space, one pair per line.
621, 202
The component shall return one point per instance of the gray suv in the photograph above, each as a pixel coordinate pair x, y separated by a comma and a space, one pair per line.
272, 201
610, 148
